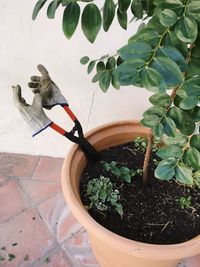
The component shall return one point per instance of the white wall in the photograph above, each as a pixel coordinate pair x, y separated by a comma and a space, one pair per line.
24, 44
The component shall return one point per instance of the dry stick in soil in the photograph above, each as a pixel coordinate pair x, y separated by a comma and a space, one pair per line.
150, 136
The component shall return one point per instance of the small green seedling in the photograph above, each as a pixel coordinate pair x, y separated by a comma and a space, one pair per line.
102, 195
185, 202
140, 144
125, 173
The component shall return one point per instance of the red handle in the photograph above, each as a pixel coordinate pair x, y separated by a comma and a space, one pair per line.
58, 128
69, 112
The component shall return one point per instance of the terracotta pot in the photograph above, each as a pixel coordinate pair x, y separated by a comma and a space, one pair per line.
112, 250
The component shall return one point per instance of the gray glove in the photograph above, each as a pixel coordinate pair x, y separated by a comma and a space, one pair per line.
51, 94
32, 114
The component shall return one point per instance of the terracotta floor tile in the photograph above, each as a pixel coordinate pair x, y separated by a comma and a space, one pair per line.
40, 190
30, 236
57, 259
12, 199
3, 178
48, 169
78, 250
17, 165
58, 217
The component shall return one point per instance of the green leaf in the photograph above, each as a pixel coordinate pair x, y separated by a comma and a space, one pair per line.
100, 66
70, 19
194, 114
115, 82
84, 60
148, 6
160, 99
158, 131
91, 21
104, 80
183, 175
119, 210
155, 25
165, 169
123, 5
127, 73
168, 17
178, 140
155, 110
150, 121
189, 102
153, 80
169, 69
37, 8
192, 86
51, 10
169, 151
111, 63
191, 158
96, 77
169, 126
186, 29
135, 50
106, 166
91, 66
108, 14
137, 9
127, 178
172, 40
195, 141
116, 171
193, 9
146, 35
120, 60
122, 18
183, 122
175, 55
175, 5
124, 170
193, 68
176, 115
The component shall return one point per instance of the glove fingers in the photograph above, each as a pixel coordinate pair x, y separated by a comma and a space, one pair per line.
33, 85
43, 71
35, 79
17, 95
18, 99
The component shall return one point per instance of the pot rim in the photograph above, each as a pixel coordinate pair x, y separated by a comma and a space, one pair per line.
173, 251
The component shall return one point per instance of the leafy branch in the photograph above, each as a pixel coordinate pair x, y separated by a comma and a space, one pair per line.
91, 18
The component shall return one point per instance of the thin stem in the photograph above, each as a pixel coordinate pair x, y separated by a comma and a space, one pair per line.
147, 158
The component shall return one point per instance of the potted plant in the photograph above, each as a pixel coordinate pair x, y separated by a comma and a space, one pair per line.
164, 58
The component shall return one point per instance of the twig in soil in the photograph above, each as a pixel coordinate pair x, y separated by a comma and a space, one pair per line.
165, 226
130, 150
155, 224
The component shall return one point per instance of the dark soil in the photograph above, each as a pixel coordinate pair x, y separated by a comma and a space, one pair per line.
152, 214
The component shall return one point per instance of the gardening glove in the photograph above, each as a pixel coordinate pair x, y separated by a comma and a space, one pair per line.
51, 94
32, 114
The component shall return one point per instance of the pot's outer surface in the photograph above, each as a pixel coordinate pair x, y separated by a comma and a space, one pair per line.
110, 249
